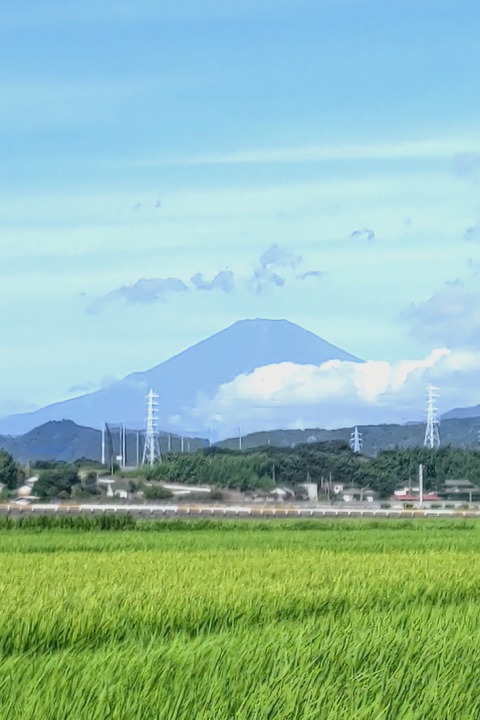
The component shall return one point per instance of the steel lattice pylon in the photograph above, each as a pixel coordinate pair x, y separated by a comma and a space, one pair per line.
356, 441
151, 449
432, 430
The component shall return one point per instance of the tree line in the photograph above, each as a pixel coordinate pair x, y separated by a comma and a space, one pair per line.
321, 463
264, 468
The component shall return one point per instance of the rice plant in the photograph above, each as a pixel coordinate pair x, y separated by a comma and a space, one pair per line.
352, 621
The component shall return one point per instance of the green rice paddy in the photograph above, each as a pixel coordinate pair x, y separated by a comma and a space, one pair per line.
219, 621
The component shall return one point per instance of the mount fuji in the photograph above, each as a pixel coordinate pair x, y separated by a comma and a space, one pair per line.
194, 373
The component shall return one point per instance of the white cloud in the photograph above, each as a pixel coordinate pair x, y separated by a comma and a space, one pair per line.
337, 393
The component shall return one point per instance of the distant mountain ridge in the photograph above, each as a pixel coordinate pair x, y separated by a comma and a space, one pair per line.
468, 412
197, 371
67, 441
458, 432
64, 440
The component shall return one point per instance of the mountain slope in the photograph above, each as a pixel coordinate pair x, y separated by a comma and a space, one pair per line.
458, 432
468, 412
197, 371
54, 441
67, 441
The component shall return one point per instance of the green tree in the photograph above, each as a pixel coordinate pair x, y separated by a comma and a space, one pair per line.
57, 483
11, 475
157, 492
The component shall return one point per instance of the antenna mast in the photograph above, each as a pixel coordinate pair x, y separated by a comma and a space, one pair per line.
432, 432
356, 441
151, 449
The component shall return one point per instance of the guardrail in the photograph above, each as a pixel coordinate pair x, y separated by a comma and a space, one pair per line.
237, 511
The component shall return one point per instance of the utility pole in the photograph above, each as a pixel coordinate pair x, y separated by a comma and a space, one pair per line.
103, 445
120, 445
420, 484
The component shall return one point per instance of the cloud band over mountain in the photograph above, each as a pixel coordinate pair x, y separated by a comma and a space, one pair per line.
339, 393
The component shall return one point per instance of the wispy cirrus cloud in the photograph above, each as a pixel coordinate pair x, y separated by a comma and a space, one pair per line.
463, 152
312, 274
275, 268
473, 266
279, 256
144, 291
148, 290
467, 165
124, 11
224, 280
267, 274
363, 234
472, 233
451, 316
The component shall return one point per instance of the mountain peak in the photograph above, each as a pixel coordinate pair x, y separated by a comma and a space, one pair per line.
194, 374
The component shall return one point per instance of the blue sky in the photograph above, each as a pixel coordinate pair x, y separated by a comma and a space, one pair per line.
169, 168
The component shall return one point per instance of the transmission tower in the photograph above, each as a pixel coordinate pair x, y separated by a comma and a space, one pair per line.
432, 431
356, 441
151, 449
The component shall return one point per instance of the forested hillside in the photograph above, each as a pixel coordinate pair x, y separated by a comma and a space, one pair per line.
318, 462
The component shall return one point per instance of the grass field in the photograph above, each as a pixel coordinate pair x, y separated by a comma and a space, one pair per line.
287, 621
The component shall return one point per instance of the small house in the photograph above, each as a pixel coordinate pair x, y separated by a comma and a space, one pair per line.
357, 494
282, 493
461, 490
413, 498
